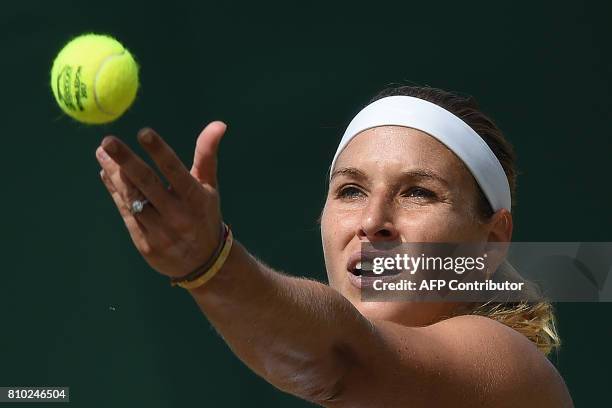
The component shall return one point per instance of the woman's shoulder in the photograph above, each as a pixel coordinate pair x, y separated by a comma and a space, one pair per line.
500, 358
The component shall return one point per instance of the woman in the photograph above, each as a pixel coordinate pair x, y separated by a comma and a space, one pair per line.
388, 183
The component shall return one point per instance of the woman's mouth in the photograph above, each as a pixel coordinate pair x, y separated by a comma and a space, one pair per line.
360, 272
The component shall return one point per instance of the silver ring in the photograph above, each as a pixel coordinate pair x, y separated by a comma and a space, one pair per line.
137, 206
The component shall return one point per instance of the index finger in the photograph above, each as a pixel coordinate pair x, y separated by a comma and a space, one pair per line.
168, 162
143, 177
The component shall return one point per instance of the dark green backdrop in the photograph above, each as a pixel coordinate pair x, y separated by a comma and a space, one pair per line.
80, 307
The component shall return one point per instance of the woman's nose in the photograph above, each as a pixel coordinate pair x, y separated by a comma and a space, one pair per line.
377, 224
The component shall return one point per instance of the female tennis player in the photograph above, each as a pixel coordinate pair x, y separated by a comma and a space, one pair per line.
417, 164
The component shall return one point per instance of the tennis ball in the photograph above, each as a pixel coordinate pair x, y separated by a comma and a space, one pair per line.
94, 79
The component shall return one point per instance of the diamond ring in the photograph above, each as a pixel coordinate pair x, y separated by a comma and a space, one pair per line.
138, 205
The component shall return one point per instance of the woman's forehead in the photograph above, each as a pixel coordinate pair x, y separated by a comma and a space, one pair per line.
397, 148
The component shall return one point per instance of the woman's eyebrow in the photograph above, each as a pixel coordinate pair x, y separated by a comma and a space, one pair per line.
421, 174
350, 172
418, 174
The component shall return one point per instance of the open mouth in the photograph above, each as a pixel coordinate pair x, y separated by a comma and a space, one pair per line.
357, 270
363, 265
360, 268
360, 262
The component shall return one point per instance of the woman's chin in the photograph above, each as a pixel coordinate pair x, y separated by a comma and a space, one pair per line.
406, 313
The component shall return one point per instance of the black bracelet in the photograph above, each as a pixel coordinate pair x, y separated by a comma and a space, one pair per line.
204, 267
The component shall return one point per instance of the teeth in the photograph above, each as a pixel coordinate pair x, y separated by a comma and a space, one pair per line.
358, 266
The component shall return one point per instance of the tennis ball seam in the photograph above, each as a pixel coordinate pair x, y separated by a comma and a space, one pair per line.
95, 84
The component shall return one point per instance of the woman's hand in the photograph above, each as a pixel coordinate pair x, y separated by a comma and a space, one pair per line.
179, 229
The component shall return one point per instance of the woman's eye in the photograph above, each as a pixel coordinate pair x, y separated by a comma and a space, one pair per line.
350, 192
420, 192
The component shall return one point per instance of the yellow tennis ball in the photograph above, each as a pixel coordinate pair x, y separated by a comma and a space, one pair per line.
94, 79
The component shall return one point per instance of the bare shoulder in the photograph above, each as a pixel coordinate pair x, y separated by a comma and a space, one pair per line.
464, 361
499, 363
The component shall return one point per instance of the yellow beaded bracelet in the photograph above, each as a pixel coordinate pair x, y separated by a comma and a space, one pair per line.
214, 268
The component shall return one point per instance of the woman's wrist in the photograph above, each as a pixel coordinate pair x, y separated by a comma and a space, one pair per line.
215, 262
225, 281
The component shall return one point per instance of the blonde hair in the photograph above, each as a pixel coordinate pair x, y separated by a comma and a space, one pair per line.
536, 321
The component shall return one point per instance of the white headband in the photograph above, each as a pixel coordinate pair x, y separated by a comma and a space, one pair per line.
439, 123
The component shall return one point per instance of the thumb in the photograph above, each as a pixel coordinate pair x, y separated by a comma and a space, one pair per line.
204, 168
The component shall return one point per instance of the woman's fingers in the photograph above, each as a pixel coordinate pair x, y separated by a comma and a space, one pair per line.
167, 162
136, 229
145, 181
121, 184
125, 190
204, 167
124, 193
144, 227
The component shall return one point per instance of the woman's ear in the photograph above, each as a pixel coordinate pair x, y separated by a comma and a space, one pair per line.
500, 226
500, 231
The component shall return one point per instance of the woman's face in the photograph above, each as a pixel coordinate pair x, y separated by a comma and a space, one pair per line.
397, 184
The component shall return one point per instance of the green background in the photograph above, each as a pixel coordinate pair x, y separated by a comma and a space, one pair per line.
79, 306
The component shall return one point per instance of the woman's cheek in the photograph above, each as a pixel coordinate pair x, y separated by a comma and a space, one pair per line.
337, 232
455, 229
442, 227
340, 223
